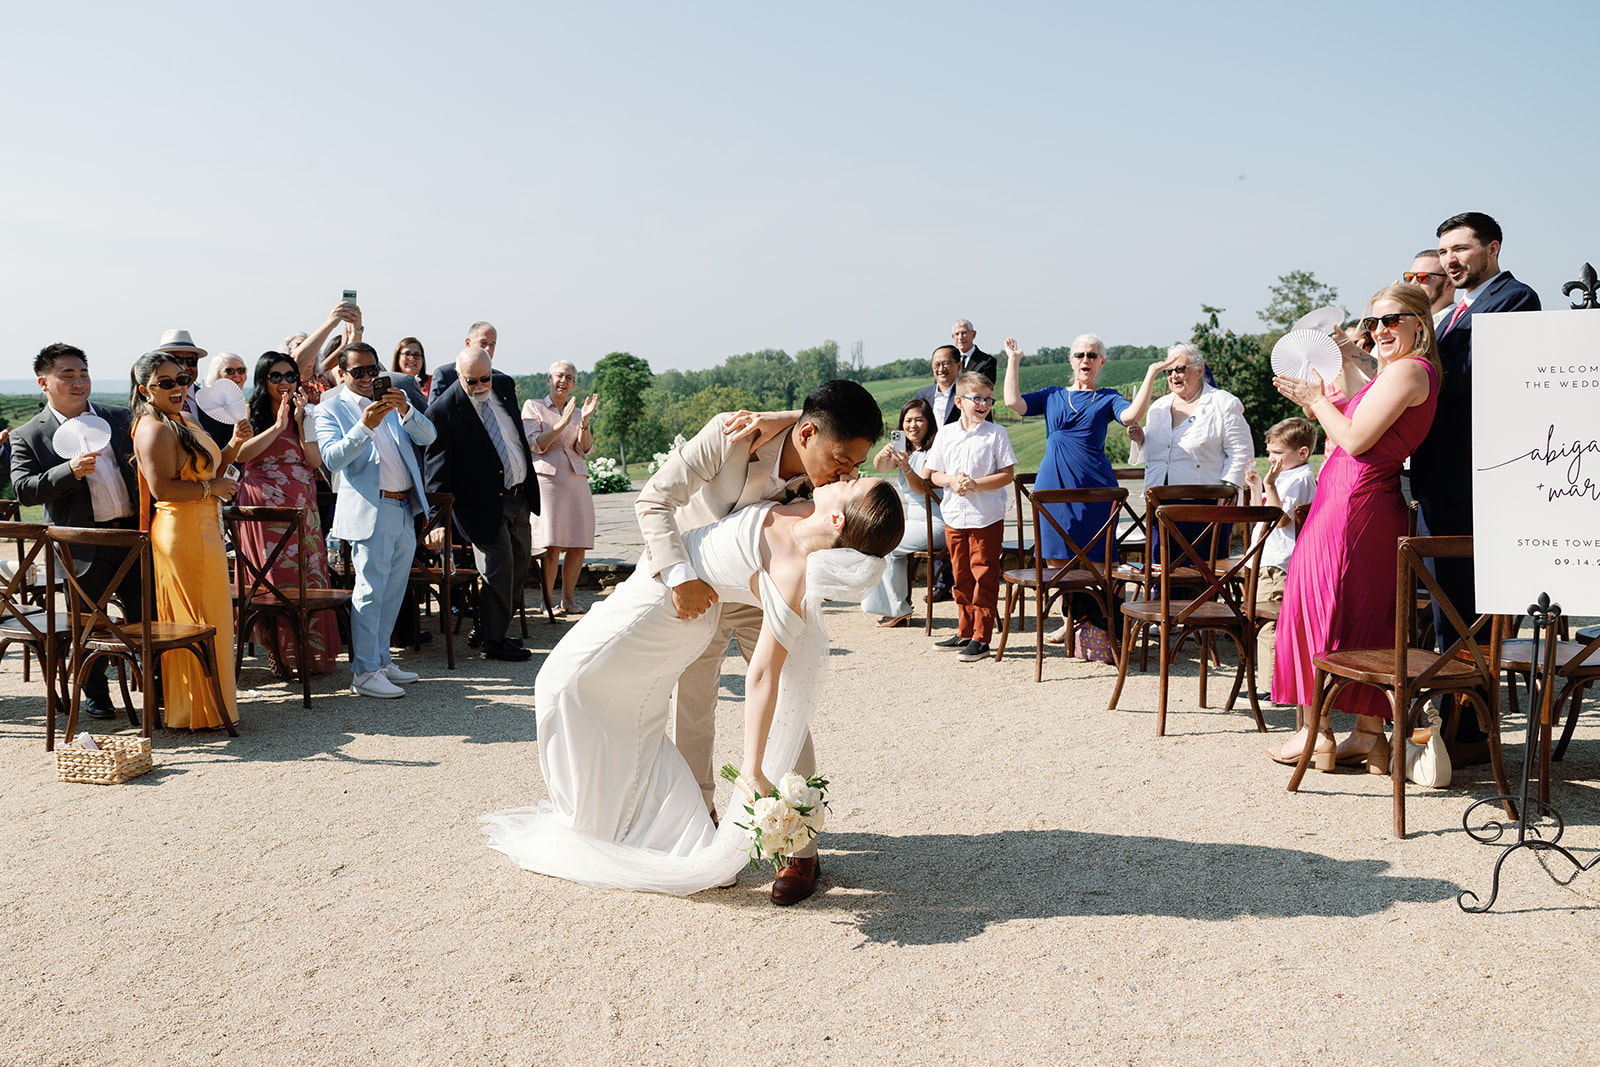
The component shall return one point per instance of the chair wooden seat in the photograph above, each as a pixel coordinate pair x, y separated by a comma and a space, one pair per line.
34, 624
1375, 666
1202, 611
1576, 666
164, 636
315, 599
1051, 576
1517, 655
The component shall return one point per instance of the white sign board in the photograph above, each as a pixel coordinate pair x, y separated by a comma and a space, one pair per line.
1536, 460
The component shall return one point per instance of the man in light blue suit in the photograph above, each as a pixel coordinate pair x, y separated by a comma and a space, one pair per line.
368, 442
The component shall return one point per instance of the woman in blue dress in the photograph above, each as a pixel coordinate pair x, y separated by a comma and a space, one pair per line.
1076, 418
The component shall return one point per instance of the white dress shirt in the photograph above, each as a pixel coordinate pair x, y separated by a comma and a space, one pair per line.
943, 401
107, 490
393, 477
1212, 445
489, 407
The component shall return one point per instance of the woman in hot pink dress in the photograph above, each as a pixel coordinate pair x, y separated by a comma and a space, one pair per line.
558, 433
279, 465
1340, 588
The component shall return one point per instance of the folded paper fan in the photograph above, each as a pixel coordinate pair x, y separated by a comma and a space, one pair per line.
1322, 320
86, 433
1299, 352
223, 401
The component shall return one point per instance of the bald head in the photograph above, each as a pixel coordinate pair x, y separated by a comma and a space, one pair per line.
474, 368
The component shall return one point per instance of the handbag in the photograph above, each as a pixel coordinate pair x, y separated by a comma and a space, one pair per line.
1092, 643
1429, 763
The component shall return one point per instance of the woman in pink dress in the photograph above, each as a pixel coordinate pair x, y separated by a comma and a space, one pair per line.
559, 436
1340, 588
280, 464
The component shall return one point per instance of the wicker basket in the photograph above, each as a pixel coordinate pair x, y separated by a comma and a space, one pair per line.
119, 759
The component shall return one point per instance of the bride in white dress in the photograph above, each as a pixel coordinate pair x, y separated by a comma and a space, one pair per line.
625, 811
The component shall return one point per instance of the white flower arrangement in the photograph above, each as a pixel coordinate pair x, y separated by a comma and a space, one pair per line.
659, 460
785, 820
605, 476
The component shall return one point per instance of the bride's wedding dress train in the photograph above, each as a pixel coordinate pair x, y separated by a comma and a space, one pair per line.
625, 810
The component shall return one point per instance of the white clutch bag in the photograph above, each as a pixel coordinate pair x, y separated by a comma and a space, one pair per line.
1429, 764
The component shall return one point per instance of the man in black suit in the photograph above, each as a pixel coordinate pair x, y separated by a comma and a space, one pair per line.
93, 489
941, 395
479, 335
481, 456
1441, 469
972, 358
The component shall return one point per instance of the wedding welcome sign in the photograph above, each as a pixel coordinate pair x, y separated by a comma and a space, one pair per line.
1536, 460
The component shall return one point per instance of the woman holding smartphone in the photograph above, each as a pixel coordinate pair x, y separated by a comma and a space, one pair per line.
280, 470
906, 453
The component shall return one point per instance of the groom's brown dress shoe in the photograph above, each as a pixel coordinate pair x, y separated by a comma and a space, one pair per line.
796, 881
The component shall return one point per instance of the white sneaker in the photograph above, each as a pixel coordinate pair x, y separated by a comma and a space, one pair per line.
375, 685
398, 676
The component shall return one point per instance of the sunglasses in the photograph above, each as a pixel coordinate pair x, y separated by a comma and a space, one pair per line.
981, 401
477, 381
1390, 321
234, 372
187, 361
182, 381
1185, 369
1085, 355
1420, 277
371, 370
278, 377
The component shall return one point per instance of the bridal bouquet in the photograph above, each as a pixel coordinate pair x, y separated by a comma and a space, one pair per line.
785, 820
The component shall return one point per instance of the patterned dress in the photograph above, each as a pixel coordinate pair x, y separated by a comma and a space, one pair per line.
281, 478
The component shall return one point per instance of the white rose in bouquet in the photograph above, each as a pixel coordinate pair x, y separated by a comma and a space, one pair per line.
768, 812
816, 818
792, 827
793, 789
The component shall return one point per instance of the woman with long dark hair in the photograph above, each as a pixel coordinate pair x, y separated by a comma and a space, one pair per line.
409, 358
891, 600
280, 470
182, 467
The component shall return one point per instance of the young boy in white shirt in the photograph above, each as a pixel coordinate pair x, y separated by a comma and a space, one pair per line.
1289, 483
973, 462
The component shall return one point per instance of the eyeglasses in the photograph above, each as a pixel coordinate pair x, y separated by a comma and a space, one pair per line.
981, 401
1420, 277
278, 377
182, 381
477, 381
1390, 321
371, 370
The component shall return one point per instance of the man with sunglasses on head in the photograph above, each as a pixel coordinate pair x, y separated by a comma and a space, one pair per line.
1441, 468
481, 457
90, 489
370, 442
1427, 272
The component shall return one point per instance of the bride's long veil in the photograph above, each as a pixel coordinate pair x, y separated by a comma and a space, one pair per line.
833, 574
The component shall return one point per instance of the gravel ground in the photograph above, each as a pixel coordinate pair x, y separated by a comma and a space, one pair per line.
1013, 874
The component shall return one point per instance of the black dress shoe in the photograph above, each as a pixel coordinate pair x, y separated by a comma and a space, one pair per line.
97, 707
796, 881
505, 650
472, 638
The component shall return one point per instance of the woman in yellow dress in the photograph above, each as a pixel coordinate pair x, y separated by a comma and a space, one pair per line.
181, 463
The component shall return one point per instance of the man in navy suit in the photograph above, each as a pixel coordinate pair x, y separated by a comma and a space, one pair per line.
481, 456
93, 489
941, 395
479, 335
1441, 469
972, 357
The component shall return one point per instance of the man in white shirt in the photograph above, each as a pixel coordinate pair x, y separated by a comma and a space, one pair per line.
368, 441
941, 395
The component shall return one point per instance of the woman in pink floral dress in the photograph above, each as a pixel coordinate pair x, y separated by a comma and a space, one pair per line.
279, 465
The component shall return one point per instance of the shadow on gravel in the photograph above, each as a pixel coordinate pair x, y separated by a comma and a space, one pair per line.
984, 879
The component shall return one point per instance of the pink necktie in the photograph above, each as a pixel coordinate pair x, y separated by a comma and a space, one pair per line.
1461, 309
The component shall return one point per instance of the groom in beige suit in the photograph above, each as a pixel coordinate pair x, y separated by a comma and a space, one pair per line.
711, 477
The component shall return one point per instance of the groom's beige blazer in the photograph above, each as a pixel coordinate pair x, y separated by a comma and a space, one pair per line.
706, 479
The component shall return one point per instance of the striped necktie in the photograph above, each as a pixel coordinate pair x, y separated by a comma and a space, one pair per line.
491, 424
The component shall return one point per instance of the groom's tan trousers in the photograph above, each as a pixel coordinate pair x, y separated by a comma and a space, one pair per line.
694, 704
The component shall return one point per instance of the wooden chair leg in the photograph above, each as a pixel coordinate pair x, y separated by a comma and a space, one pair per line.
1313, 729
1574, 702
1165, 666
1130, 633
303, 667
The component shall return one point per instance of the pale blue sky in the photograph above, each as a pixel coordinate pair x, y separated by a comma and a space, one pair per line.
693, 180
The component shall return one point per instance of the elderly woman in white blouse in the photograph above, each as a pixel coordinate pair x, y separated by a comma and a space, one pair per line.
1196, 434
558, 433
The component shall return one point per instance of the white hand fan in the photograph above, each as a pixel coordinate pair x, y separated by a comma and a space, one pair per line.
223, 401
86, 433
1299, 352
1322, 320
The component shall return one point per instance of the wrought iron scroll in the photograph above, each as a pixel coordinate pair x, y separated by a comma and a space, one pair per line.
1588, 285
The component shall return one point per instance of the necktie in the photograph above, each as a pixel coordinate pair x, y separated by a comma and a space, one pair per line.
492, 425
1461, 309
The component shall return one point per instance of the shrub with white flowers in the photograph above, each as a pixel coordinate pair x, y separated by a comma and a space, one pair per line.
606, 477
660, 458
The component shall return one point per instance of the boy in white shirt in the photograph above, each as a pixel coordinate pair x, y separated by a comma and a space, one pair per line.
1289, 483
973, 462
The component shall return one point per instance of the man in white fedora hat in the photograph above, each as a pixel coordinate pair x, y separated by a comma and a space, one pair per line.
181, 347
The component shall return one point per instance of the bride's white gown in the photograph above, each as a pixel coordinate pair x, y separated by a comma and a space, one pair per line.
625, 811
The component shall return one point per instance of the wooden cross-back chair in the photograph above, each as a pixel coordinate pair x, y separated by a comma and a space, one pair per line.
1223, 601
1575, 665
1079, 574
439, 574
929, 557
95, 634
38, 628
259, 597
1409, 675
